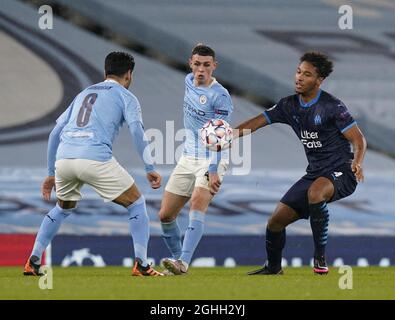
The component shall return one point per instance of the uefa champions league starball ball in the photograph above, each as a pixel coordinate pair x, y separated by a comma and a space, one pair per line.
216, 134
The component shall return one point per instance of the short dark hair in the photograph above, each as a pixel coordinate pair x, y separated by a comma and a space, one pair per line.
118, 63
320, 61
203, 50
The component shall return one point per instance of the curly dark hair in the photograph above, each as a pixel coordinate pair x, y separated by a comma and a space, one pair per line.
320, 61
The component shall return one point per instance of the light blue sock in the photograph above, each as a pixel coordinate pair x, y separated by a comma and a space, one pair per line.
192, 235
171, 234
48, 229
139, 228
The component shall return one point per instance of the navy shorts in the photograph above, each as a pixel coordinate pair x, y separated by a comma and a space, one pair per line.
343, 180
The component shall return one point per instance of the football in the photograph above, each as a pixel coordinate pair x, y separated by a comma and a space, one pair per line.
216, 134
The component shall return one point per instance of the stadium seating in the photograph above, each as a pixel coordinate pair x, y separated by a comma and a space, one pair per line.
259, 43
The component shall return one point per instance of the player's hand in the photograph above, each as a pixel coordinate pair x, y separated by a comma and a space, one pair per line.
47, 186
154, 179
358, 171
214, 182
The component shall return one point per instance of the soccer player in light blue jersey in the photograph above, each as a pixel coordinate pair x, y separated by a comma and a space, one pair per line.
199, 173
80, 152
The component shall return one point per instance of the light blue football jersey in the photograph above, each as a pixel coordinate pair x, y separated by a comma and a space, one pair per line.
200, 105
93, 119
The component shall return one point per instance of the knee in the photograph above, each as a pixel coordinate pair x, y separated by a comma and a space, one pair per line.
67, 205
275, 225
165, 216
315, 195
194, 203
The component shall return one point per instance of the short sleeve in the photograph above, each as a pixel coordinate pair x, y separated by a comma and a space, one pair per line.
132, 110
223, 106
276, 113
342, 118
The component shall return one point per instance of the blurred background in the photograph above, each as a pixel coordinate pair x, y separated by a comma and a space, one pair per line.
258, 45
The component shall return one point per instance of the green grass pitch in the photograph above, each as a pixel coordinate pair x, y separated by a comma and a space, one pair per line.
200, 284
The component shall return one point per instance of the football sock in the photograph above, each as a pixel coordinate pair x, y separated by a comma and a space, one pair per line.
48, 229
192, 235
171, 234
275, 242
139, 228
319, 221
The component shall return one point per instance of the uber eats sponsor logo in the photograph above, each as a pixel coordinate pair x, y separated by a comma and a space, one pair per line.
309, 139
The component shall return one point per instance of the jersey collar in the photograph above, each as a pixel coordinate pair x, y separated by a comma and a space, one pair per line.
192, 80
111, 80
311, 102
213, 82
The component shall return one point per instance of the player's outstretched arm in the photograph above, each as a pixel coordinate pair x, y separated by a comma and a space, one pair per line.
358, 141
250, 126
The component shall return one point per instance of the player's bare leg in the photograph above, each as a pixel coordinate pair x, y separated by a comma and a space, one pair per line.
128, 197
171, 206
275, 239
283, 216
200, 201
67, 204
319, 193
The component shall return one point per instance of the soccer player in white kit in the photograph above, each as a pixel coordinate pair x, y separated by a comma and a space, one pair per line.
80, 152
199, 172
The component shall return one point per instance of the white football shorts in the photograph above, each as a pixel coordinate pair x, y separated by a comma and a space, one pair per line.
109, 179
190, 173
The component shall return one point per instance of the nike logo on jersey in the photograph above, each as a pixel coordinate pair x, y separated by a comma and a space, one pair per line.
135, 217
